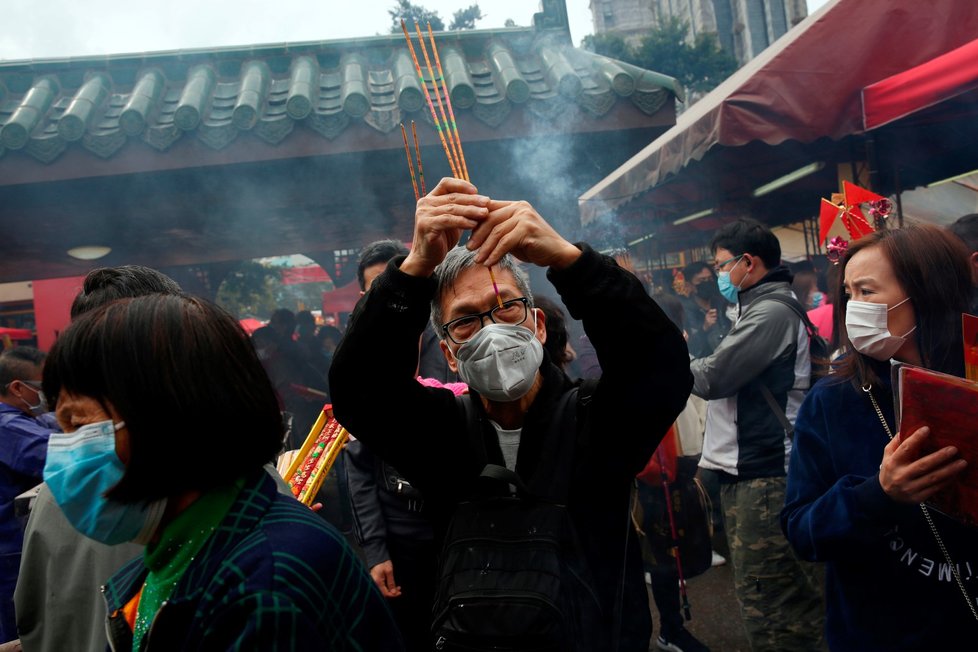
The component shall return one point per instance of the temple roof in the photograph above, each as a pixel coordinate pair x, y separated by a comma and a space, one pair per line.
206, 157
105, 104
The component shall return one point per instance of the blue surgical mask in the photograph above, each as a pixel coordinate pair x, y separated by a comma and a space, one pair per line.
729, 291
81, 467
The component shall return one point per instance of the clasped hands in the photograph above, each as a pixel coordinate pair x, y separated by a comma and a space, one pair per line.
498, 227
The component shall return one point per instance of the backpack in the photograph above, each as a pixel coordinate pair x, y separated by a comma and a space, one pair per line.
818, 351
512, 575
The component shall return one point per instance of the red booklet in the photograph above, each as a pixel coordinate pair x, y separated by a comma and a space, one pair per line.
969, 331
949, 406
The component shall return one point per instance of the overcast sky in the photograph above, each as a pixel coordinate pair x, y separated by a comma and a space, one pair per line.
38, 29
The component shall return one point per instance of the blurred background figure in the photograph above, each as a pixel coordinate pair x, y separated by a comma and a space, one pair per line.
823, 316
966, 228
557, 346
705, 318
305, 337
23, 447
327, 338
804, 284
300, 385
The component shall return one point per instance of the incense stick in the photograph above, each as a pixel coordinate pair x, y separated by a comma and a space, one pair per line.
417, 151
495, 288
441, 106
448, 101
407, 153
431, 106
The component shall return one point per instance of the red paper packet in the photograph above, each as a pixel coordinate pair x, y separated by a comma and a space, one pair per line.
948, 405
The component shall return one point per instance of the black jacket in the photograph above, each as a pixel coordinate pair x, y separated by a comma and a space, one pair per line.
421, 430
383, 505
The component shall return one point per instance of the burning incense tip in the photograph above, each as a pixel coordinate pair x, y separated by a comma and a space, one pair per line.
495, 288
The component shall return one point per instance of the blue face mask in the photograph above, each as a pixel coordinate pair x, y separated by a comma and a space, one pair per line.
728, 289
81, 467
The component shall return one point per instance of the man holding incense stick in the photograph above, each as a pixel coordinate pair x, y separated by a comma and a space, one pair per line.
581, 453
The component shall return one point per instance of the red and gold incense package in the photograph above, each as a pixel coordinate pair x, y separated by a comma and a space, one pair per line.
314, 459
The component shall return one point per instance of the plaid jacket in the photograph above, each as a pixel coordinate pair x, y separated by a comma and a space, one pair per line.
273, 576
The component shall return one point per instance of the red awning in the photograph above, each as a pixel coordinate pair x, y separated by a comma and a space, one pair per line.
805, 87
940, 79
250, 324
342, 299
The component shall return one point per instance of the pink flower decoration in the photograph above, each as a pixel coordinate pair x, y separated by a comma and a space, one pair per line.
880, 209
836, 249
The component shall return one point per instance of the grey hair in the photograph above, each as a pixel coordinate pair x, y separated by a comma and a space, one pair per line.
459, 259
17, 364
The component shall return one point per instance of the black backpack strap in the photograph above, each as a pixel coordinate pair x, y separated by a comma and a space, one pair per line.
798, 310
474, 432
501, 473
792, 303
778, 412
473, 425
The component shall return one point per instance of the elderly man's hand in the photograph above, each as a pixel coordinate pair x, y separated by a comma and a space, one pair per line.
515, 227
451, 207
907, 477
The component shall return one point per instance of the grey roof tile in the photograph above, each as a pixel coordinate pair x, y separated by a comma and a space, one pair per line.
106, 103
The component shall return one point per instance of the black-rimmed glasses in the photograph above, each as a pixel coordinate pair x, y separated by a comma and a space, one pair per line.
718, 267
463, 329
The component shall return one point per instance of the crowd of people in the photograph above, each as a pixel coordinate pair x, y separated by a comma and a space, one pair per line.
505, 469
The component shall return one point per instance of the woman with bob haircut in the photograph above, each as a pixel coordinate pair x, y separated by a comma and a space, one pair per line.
898, 575
168, 418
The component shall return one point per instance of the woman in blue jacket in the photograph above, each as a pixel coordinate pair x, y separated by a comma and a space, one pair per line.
899, 576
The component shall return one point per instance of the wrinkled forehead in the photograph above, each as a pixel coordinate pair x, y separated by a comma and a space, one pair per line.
473, 291
869, 265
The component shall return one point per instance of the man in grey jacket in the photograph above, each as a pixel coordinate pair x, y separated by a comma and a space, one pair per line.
754, 379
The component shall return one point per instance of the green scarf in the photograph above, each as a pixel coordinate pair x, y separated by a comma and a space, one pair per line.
168, 558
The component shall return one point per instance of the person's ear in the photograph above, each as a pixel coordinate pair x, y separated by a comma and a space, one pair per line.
541, 319
15, 388
449, 356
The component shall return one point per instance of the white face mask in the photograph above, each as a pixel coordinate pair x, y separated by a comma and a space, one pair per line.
41, 407
501, 361
868, 331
